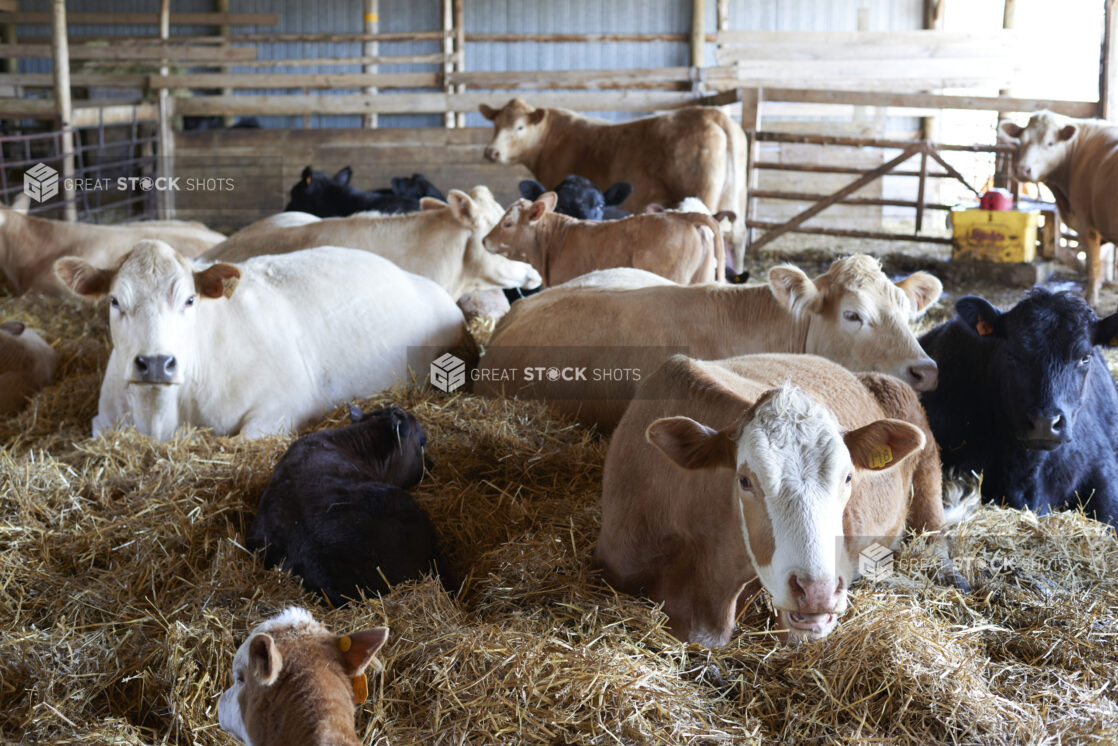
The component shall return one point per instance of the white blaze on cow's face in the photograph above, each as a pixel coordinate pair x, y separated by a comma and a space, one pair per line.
1042, 145
860, 319
794, 471
153, 299
517, 130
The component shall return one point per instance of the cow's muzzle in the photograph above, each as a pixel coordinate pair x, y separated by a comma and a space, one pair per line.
155, 368
1046, 431
492, 154
922, 375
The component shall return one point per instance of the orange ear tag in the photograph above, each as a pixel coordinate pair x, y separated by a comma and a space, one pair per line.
984, 328
360, 689
880, 457
1113, 341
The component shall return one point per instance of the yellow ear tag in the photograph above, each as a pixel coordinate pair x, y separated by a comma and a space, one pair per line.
880, 457
360, 689
1114, 341
344, 643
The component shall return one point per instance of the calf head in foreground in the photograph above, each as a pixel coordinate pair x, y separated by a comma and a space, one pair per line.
859, 318
296, 684
792, 470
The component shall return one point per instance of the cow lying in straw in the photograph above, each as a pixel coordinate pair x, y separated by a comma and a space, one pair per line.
337, 513
27, 363
266, 346
778, 467
296, 684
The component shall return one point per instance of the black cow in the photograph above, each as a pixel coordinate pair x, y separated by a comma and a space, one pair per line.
333, 197
336, 511
579, 198
1025, 398
218, 123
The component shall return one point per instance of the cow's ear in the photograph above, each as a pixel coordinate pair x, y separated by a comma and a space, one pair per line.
21, 204
979, 316
430, 203
1068, 131
462, 207
542, 206
691, 444
264, 660
15, 328
793, 289
308, 175
488, 112
343, 176
358, 650
883, 444
217, 281
922, 289
618, 193
1011, 130
1106, 331
83, 278
531, 189
537, 116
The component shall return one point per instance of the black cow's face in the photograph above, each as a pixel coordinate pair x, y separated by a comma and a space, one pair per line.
316, 193
579, 198
395, 442
1043, 350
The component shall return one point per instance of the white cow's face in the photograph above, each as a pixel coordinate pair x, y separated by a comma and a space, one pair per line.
1042, 145
153, 297
793, 473
517, 131
860, 319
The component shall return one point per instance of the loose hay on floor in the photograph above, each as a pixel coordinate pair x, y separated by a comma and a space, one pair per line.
125, 589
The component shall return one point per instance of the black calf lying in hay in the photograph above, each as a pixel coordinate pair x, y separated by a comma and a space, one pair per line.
126, 588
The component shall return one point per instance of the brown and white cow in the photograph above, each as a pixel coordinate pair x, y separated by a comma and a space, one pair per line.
777, 467
27, 364
442, 242
683, 247
29, 246
295, 683
586, 349
1078, 160
692, 152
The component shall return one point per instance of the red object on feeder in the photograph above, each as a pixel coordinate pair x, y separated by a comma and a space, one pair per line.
996, 199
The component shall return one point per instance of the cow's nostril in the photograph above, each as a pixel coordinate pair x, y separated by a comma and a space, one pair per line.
171, 363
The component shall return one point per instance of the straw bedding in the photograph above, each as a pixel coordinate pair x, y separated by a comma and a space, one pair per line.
125, 589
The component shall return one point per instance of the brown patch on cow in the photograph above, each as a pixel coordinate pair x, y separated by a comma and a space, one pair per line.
83, 278
217, 281
690, 444
762, 543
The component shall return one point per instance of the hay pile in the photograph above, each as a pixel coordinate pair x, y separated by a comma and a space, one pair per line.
125, 588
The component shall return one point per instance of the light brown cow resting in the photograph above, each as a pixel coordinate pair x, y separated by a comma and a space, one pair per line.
29, 246
585, 349
785, 468
442, 242
692, 152
1078, 160
683, 247
27, 364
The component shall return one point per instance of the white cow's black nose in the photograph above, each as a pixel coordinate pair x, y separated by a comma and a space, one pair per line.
155, 368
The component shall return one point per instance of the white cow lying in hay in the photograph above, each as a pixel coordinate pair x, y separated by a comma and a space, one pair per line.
29, 246
263, 347
442, 242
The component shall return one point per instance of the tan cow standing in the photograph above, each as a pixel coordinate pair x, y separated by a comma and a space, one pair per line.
683, 247
29, 246
692, 152
785, 468
1078, 160
442, 242
585, 349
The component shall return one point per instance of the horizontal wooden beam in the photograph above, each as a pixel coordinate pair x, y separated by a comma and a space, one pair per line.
881, 38
129, 19
842, 232
412, 59
1080, 109
85, 113
871, 201
170, 52
420, 103
99, 80
294, 80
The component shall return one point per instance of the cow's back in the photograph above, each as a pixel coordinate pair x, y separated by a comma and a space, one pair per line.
1092, 180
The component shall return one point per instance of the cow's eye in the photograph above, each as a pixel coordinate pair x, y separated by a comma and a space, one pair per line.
1085, 359
853, 316
190, 301
520, 128
849, 478
239, 677
114, 302
746, 484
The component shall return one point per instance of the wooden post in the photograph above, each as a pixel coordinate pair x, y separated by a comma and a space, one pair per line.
11, 65
1108, 79
933, 19
449, 120
1002, 161
372, 25
751, 99
165, 165
222, 6
60, 47
460, 51
698, 33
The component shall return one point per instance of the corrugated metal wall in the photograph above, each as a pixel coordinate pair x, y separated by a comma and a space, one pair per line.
499, 16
